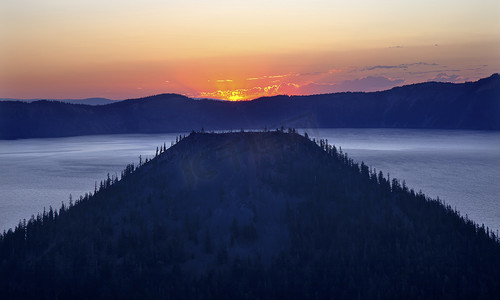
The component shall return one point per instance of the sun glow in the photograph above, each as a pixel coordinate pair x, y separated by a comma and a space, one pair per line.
231, 95
236, 96
243, 94
253, 92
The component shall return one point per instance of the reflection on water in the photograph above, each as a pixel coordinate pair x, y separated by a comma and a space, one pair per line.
461, 167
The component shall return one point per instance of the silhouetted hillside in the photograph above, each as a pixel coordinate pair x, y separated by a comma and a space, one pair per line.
86, 101
472, 105
250, 215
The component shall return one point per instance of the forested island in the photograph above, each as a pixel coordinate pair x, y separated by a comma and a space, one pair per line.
250, 215
431, 105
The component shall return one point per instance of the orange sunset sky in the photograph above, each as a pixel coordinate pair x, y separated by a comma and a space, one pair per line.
239, 50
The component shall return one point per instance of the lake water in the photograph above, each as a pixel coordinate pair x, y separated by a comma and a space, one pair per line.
38, 173
461, 167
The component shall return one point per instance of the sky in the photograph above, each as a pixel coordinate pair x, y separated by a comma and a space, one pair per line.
240, 50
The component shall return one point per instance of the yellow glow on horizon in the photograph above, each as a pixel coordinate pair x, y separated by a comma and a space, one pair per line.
236, 96
237, 50
231, 95
246, 94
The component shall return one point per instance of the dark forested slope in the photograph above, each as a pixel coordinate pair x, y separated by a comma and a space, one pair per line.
472, 105
250, 215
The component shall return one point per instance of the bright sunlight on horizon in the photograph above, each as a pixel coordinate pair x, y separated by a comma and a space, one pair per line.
240, 50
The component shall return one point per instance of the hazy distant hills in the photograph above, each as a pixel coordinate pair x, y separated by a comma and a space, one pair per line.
471, 105
87, 101
267, 215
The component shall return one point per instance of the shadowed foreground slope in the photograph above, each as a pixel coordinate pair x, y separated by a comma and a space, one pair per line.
250, 215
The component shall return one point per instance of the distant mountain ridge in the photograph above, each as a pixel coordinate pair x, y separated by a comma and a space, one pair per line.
432, 105
86, 101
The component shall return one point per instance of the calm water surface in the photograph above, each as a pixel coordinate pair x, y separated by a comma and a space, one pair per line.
461, 167
38, 173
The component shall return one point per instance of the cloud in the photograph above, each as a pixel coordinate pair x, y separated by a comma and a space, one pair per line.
400, 66
433, 71
384, 67
253, 92
312, 73
270, 77
443, 77
243, 93
317, 88
366, 84
421, 63
317, 73
369, 84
